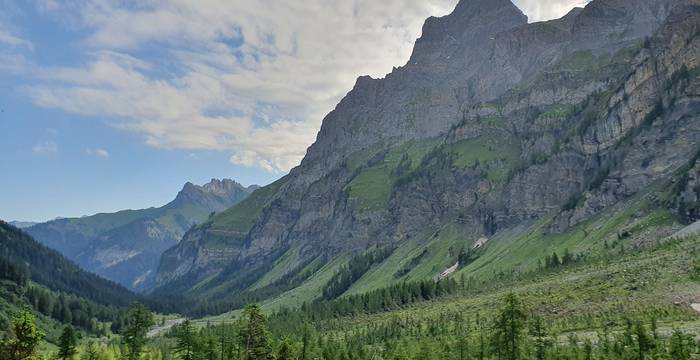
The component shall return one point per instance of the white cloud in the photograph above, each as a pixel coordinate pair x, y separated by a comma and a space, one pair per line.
45, 148
102, 153
13, 48
7, 38
97, 152
540, 10
253, 79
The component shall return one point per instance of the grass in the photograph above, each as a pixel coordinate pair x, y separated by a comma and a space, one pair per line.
470, 152
308, 291
558, 111
241, 217
371, 188
582, 298
495, 157
520, 251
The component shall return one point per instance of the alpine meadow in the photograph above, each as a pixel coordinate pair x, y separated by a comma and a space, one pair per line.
526, 186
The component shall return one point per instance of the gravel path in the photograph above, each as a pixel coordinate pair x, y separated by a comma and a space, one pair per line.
157, 330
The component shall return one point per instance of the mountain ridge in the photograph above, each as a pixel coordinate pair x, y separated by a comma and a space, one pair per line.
125, 246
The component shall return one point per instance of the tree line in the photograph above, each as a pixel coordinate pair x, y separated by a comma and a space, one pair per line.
512, 332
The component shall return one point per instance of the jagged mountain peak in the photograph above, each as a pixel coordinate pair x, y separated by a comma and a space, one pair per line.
125, 246
216, 194
464, 32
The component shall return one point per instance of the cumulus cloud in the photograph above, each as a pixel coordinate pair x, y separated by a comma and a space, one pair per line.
253, 79
45, 148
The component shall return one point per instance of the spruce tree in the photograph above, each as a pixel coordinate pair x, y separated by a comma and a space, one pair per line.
508, 332
540, 338
256, 339
185, 341
644, 341
90, 352
26, 338
67, 343
139, 320
680, 345
286, 350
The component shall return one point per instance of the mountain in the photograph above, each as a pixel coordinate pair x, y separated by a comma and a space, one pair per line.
125, 246
22, 224
498, 143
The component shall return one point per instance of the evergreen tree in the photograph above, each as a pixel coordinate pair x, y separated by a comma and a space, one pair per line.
680, 346
185, 341
139, 320
286, 350
90, 352
256, 339
644, 341
540, 339
508, 332
304, 341
26, 338
67, 343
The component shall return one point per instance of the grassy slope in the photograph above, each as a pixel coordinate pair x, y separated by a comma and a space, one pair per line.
641, 284
240, 218
308, 291
518, 250
371, 188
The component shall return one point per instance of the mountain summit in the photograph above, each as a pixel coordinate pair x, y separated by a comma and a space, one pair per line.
125, 246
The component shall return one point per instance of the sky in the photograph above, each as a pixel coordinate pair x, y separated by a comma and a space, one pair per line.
115, 104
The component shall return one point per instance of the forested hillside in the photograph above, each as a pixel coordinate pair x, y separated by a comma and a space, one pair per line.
37, 278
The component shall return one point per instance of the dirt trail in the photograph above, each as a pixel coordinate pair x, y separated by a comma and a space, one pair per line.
159, 329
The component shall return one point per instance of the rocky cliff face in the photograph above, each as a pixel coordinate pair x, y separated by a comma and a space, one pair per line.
126, 246
492, 123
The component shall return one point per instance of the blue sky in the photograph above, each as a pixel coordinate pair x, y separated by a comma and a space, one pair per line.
108, 105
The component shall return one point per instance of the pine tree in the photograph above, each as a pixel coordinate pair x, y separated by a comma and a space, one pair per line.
26, 338
90, 352
304, 341
67, 343
540, 339
256, 338
679, 349
644, 341
508, 334
286, 350
139, 320
185, 341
